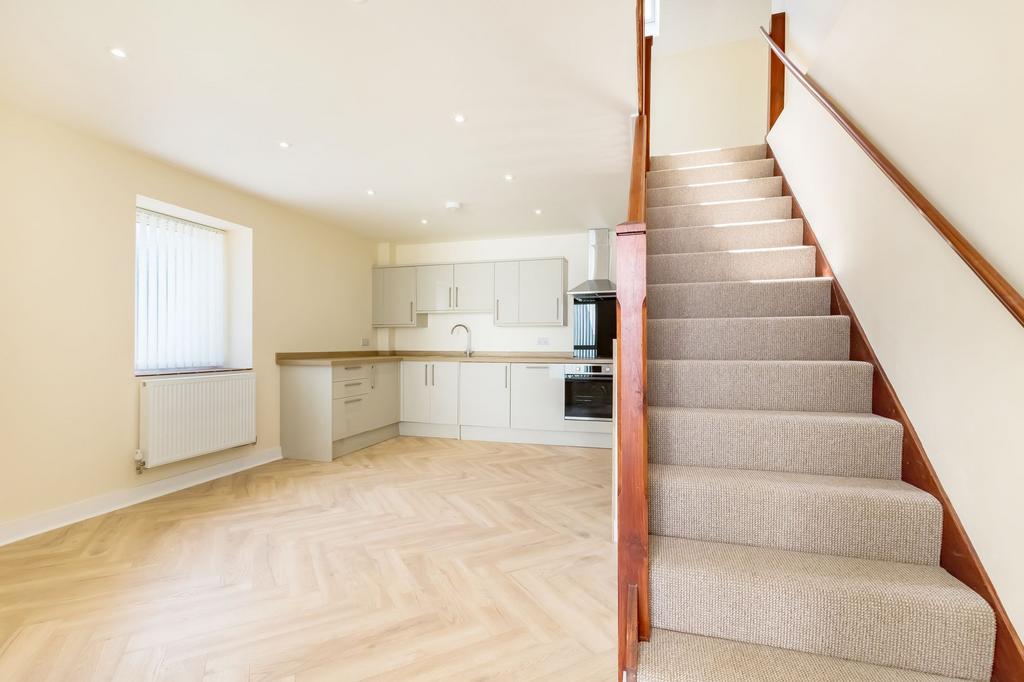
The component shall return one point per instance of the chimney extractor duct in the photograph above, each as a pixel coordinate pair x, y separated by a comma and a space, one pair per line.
597, 284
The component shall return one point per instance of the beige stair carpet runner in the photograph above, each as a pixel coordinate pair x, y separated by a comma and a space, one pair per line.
784, 544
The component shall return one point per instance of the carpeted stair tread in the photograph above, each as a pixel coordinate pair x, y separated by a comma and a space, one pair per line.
793, 385
825, 337
866, 518
725, 190
889, 614
677, 657
763, 298
702, 157
759, 234
713, 172
787, 262
717, 212
824, 443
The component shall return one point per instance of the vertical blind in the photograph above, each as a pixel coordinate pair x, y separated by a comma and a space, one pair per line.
179, 293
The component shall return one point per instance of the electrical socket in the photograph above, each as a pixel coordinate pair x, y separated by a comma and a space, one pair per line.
366, 342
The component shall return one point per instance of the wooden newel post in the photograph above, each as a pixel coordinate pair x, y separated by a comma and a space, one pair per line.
777, 71
631, 387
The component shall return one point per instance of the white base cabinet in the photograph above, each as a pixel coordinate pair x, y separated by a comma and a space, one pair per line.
485, 394
430, 392
538, 397
324, 406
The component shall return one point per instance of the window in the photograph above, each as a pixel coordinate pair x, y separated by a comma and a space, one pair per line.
180, 294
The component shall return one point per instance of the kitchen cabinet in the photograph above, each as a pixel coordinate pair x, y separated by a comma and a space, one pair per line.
506, 292
538, 397
384, 406
530, 292
485, 394
430, 392
463, 287
394, 297
542, 290
435, 288
474, 287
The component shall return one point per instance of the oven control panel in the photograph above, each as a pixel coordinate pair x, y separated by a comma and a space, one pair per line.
590, 370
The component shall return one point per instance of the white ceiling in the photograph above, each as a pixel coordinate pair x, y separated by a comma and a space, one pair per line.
693, 24
365, 93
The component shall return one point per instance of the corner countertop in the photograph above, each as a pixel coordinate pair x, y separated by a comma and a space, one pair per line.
345, 357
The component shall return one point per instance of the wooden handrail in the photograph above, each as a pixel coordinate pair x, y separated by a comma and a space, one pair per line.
637, 207
981, 267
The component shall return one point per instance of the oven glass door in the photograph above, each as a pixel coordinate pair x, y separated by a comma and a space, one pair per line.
588, 397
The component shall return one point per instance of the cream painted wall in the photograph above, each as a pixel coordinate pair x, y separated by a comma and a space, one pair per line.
487, 336
68, 397
709, 75
709, 97
952, 352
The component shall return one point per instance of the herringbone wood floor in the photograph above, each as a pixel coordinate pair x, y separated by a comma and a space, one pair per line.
417, 559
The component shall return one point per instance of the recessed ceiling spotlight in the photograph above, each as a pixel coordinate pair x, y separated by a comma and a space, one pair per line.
424, 221
283, 145
453, 205
118, 52
370, 192
459, 118
537, 211
509, 177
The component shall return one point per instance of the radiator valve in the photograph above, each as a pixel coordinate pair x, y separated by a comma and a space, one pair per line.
140, 462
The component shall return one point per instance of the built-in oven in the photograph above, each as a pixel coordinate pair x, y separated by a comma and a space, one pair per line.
593, 326
588, 392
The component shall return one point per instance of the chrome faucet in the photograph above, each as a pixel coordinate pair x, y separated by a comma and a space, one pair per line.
469, 338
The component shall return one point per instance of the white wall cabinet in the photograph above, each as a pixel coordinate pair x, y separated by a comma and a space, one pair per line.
430, 392
538, 397
394, 297
485, 394
462, 287
527, 292
474, 287
530, 292
542, 290
435, 288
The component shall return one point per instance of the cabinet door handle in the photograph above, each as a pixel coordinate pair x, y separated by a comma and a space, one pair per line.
354, 400
558, 308
410, 311
349, 368
373, 375
456, 297
354, 383
506, 376
497, 310
449, 297
536, 367
424, 374
433, 373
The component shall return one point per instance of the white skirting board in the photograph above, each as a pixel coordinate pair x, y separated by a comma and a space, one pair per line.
429, 430
19, 529
573, 438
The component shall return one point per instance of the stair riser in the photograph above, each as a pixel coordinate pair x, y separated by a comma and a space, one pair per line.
743, 170
757, 338
802, 387
764, 441
732, 190
703, 158
726, 237
731, 266
740, 299
798, 517
863, 625
748, 210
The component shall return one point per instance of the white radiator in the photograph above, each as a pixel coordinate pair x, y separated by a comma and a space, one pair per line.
183, 417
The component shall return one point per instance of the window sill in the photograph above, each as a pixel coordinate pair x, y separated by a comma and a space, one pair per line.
188, 370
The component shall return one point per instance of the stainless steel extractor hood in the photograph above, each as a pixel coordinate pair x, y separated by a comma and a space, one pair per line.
599, 254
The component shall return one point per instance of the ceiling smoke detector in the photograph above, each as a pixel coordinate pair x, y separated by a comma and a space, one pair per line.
452, 205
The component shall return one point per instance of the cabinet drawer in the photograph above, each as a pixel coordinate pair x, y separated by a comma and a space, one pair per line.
348, 417
347, 389
359, 370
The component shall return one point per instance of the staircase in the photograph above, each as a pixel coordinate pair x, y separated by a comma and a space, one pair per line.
784, 545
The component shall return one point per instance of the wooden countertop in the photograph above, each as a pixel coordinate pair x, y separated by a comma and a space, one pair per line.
346, 357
